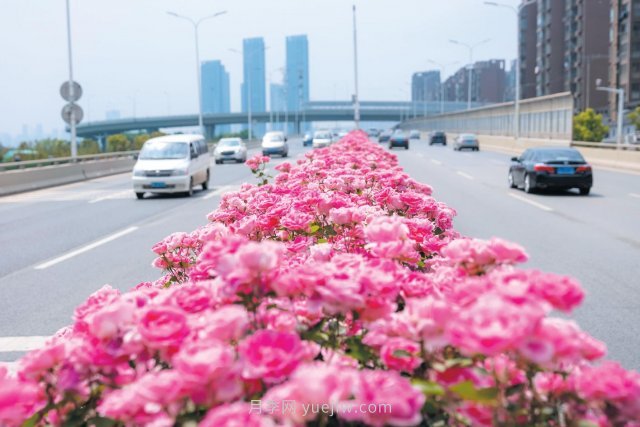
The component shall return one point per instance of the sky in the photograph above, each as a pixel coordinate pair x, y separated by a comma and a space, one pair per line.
131, 56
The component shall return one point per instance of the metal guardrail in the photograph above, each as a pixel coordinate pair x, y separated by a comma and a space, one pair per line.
606, 145
27, 164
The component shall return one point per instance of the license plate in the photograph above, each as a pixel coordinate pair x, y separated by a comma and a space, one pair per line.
565, 171
158, 185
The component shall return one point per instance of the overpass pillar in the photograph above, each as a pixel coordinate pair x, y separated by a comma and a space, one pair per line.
209, 132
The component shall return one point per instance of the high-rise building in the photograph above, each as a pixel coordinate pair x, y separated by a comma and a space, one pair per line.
510, 83
488, 85
425, 86
550, 47
489, 81
564, 48
587, 51
254, 91
215, 91
624, 55
297, 77
527, 48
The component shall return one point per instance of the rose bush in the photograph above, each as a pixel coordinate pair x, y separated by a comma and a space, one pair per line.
341, 284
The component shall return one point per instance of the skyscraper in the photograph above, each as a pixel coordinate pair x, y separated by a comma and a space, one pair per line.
215, 91
527, 49
624, 54
425, 86
297, 77
254, 91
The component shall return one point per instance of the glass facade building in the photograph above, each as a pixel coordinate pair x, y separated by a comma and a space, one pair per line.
297, 79
215, 91
254, 81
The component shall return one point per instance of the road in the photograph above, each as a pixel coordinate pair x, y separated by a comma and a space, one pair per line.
104, 236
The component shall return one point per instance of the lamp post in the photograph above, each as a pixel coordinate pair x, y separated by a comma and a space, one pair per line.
356, 98
249, 97
620, 93
72, 122
516, 10
442, 68
470, 47
196, 25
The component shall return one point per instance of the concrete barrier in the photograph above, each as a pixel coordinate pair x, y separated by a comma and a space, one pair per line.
623, 160
17, 181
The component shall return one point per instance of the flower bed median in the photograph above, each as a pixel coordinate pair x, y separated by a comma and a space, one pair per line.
335, 293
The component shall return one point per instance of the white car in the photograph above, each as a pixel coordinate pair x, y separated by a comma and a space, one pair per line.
275, 143
322, 138
230, 149
172, 164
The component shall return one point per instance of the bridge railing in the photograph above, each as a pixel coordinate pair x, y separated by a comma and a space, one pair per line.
54, 161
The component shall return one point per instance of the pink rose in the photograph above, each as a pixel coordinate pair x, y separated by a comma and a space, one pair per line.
163, 327
400, 354
238, 414
270, 355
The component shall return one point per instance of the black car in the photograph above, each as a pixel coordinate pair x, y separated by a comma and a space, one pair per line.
438, 138
551, 167
307, 140
384, 136
399, 139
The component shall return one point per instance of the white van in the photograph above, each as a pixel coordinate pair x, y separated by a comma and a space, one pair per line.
275, 143
172, 164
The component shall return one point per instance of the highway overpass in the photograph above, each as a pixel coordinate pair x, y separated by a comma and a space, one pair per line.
318, 111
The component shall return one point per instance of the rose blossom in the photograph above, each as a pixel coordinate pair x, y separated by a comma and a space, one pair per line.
270, 355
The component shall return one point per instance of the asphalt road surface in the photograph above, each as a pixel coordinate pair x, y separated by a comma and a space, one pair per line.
59, 245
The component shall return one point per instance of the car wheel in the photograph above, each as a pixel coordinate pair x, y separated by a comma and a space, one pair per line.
190, 191
218, 162
512, 183
528, 188
205, 184
285, 154
140, 196
584, 191
406, 147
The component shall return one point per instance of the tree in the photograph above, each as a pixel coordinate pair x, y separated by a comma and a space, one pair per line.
588, 126
634, 117
53, 148
88, 146
139, 140
118, 142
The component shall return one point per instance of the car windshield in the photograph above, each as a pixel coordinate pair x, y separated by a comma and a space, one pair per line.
164, 151
229, 143
275, 138
468, 137
322, 135
559, 155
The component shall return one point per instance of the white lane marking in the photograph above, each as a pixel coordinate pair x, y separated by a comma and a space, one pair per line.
465, 175
111, 196
531, 202
220, 191
10, 344
86, 248
635, 195
436, 162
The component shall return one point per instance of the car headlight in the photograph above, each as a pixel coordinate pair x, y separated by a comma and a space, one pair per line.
138, 172
180, 172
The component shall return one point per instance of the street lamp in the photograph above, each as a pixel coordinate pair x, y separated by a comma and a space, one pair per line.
516, 119
356, 98
470, 78
249, 97
620, 93
196, 25
442, 68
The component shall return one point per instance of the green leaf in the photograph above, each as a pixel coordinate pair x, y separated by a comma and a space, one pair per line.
429, 388
359, 351
468, 391
101, 422
32, 420
322, 240
313, 228
401, 353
